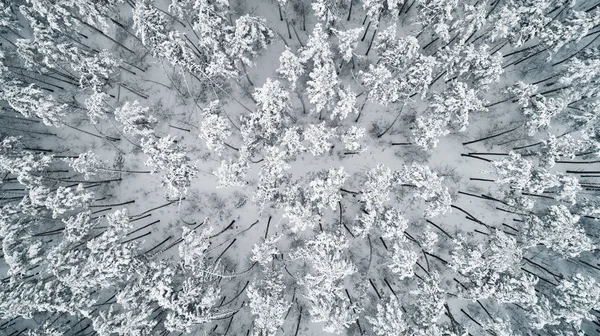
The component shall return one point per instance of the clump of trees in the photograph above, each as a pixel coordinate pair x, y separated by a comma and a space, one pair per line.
422, 167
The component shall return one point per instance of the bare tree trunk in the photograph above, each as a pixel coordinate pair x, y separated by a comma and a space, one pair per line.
279, 9
350, 10
371, 43
366, 30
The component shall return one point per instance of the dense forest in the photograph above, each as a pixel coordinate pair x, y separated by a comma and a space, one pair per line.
298, 167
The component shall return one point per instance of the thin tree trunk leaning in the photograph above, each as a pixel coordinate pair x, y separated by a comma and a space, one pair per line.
279, 9
392, 124
225, 229
350, 10
287, 25
297, 36
375, 288
580, 50
299, 318
225, 250
366, 30
491, 136
371, 43
267, 230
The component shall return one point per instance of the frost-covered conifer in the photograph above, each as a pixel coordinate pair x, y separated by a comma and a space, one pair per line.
105, 261
429, 187
568, 189
574, 298
26, 166
268, 303
437, 14
560, 231
22, 251
393, 224
175, 50
210, 23
62, 200
86, 163
352, 137
389, 319
232, 173
168, 155
322, 86
418, 76
472, 19
396, 53
326, 10
263, 253
28, 297
290, 67
125, 322
250, 35
220, 66
181, 8
317, 47
402, 259
498, 327
514, 171
376, 189
454, 106
346, 104
79, 226
348, 40
326, 255
150, 25
301, 216
214, 129
473, 63
520, 20
491, 269
192, 249
96, 106
318, 137
267, 122
326, 192
30, 101
559, 147
273, 174
522, 92
292, 142
579, 76
576, 25
383, 87
95, 70
429, 299
377, 8
540, 112
190, 295
428, 239
136, 119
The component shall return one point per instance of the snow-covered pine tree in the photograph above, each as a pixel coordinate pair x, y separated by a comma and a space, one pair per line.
136, 119
167, 155
558, 230
326, 255
250, 35
268, 303
214, 128
31, 101
326, 191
